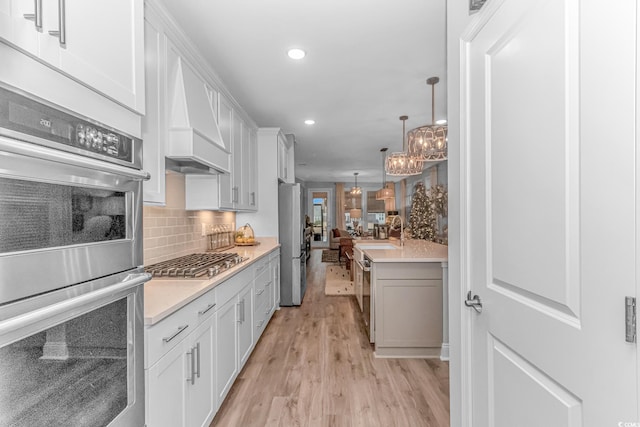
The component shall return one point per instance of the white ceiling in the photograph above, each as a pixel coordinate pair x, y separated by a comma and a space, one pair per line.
367, 63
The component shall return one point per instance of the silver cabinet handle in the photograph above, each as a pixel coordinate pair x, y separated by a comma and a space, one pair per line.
192, 377
61, 33
243, 311
258, 293
209, 307
473, 302
267, 311
253, 198
37, 16
260, 324
178, 332
198, 360
241, 315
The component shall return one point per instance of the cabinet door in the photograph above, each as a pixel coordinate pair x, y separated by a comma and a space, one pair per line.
238, 134
226, 348
154, 126
225, 115
167, 390
418, 323
282, 159
275, 271
252, 169
104, 47
18, 30
245, 322
201, 394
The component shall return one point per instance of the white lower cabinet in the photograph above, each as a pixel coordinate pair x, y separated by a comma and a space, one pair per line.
245, 320
193, 356
234, 334
180, 386
226, 348
166, 390
201, 396
274, 261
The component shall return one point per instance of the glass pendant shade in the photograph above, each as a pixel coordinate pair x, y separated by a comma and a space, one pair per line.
402, 163
428, 142
355, 213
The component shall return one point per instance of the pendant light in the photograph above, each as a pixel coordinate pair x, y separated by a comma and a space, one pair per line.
402, 163
355, 212
429, 142
385, 193
355, 190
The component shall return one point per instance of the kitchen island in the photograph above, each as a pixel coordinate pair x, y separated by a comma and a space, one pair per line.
408, 301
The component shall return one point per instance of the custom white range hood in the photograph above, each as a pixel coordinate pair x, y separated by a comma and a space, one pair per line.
195, 143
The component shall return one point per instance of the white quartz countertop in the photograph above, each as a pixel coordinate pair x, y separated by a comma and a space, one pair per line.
164, 296
413, 251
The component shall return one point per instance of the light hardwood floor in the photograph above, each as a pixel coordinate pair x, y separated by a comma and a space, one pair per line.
314, 366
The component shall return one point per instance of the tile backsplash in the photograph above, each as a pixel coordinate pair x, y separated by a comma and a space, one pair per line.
171, 231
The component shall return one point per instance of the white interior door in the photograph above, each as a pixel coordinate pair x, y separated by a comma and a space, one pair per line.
548, 116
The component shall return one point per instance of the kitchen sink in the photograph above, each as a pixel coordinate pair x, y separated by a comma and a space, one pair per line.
383, 246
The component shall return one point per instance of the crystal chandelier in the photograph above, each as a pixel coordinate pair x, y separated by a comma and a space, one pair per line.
402, 163
429, 142
355, 190
385, 192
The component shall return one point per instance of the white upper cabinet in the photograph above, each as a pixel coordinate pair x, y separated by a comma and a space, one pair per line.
174, 118
98, 43
286, 171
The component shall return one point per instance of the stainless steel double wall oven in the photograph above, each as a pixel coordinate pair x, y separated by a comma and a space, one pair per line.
71, 300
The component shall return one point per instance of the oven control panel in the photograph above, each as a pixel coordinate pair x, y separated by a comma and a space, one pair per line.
98, 140
31, 120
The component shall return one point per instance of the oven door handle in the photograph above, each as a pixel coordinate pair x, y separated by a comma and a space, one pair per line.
45, 153
362, 266
70, 308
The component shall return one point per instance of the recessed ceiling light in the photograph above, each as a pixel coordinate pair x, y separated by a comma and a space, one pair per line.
296, 53
309, 122
441, 121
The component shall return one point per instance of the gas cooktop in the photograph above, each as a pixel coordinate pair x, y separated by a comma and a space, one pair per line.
195, 265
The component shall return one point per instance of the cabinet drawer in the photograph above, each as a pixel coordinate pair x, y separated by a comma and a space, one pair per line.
205, 305
263, 288
408, 270
260, 318
230, 287
261, 265
169, 332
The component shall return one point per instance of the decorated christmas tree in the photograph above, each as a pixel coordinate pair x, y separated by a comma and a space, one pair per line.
422, 220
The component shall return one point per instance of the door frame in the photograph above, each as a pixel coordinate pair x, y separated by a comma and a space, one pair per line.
462, 31
330, 212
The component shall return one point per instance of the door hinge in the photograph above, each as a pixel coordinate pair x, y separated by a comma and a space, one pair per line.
630, 318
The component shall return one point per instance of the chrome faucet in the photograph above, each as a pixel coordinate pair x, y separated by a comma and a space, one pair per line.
393, 225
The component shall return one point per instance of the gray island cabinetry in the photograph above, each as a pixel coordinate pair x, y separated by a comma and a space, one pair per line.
408, 309
408, 304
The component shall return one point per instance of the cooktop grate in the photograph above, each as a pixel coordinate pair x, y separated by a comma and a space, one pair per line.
194, 265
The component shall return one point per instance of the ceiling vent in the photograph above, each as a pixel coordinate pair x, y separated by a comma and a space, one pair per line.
195, 143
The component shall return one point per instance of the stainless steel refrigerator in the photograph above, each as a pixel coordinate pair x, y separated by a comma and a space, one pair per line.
293, 270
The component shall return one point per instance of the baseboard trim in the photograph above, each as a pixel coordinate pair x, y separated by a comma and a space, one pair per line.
444, 354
